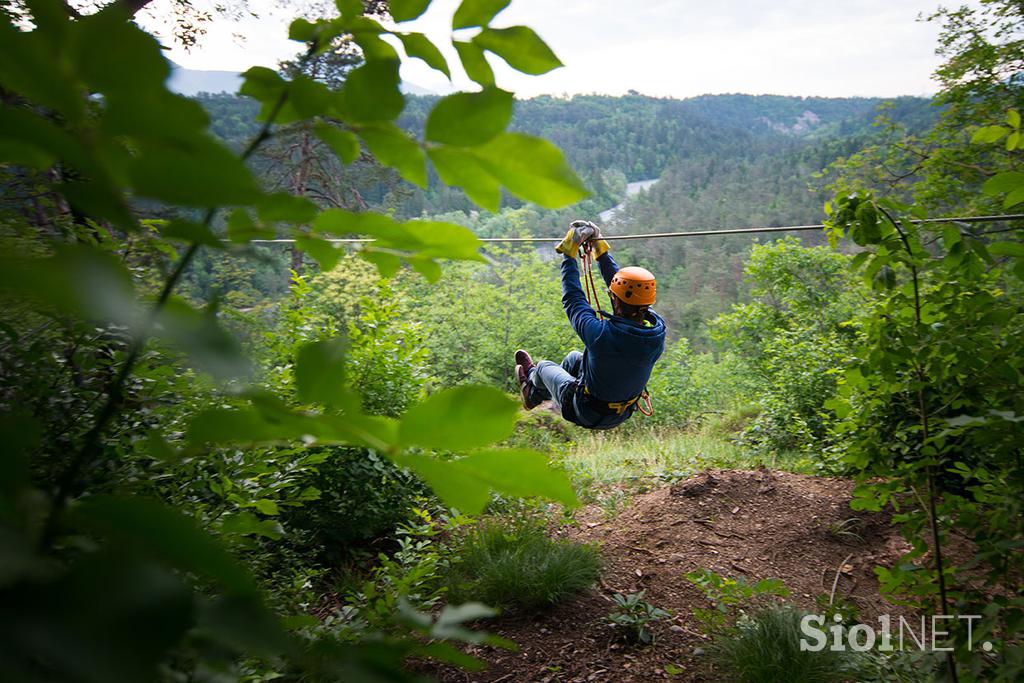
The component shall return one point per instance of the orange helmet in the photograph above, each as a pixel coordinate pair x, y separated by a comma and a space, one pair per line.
634, 285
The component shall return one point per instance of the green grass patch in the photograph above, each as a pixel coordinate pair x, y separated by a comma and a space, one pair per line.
615, 457
518, 566
766, 649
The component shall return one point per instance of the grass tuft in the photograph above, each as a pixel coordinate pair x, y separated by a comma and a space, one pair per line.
766, 649
518, 566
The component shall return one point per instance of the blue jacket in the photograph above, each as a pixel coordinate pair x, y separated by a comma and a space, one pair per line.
620, 353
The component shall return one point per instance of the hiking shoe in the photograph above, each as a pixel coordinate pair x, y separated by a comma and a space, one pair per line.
525, 387
523, 358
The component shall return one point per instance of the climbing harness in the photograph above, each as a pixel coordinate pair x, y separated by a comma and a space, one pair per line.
619, 407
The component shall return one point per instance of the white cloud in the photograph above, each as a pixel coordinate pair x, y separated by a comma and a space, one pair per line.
675, 48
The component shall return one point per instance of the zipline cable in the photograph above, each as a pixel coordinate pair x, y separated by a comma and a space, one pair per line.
690, 233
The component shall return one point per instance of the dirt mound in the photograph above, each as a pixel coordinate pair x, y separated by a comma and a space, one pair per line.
761, 524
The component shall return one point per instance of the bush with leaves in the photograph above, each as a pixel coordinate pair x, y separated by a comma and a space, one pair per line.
795, 335
931, 414
106, 584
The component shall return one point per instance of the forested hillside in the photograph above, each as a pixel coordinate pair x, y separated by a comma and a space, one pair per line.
723, 161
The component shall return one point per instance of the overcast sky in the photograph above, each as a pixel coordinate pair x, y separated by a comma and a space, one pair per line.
678, 48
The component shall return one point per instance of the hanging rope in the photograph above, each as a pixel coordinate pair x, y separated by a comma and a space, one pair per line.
690, 233
589, 288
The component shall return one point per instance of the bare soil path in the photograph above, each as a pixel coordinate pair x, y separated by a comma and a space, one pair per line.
761, 524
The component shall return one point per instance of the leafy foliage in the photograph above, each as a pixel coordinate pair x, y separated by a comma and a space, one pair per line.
796, 334
633, 614
90, 126
938, 360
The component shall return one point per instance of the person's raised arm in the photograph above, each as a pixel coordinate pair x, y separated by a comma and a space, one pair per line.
581, 316
608, 266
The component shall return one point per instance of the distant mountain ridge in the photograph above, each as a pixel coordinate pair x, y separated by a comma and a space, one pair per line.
191, 82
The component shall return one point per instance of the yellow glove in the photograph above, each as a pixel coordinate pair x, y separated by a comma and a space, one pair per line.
598, 247
579, 232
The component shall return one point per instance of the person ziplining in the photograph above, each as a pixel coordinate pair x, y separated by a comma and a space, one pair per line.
601, 387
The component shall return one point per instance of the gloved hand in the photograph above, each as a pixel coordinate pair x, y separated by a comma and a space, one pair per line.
579, 232
598, 247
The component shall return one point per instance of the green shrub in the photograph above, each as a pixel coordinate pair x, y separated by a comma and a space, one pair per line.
363, 497
765, 648
519, 566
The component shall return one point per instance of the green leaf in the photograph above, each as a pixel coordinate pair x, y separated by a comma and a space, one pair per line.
1008, 181
407, 10
418, 46
242, 228
247, 524
393, 147
459, 418
308, 98
320, 373
197, 333
342, 222
165, 533
477, 13
206, 175
474, 62
155, 115
189, 232
466, 483
1013, 118
30, 66
434, 239
286, 208
532, 169
1007, 249
469, 119
951, 236
988, 134
344, 143
271, 422
77, 280
455, 486
262, 84
1013, 141
130, 59
387, 264
427, 267
26, 128
350, 8
521, 47
243, 626
302, 30
326, 254
520, 472
20, 433
1014, 198
463, 169
266, 507
371, 93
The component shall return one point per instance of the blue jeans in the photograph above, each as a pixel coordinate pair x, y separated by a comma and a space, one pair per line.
557, 382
